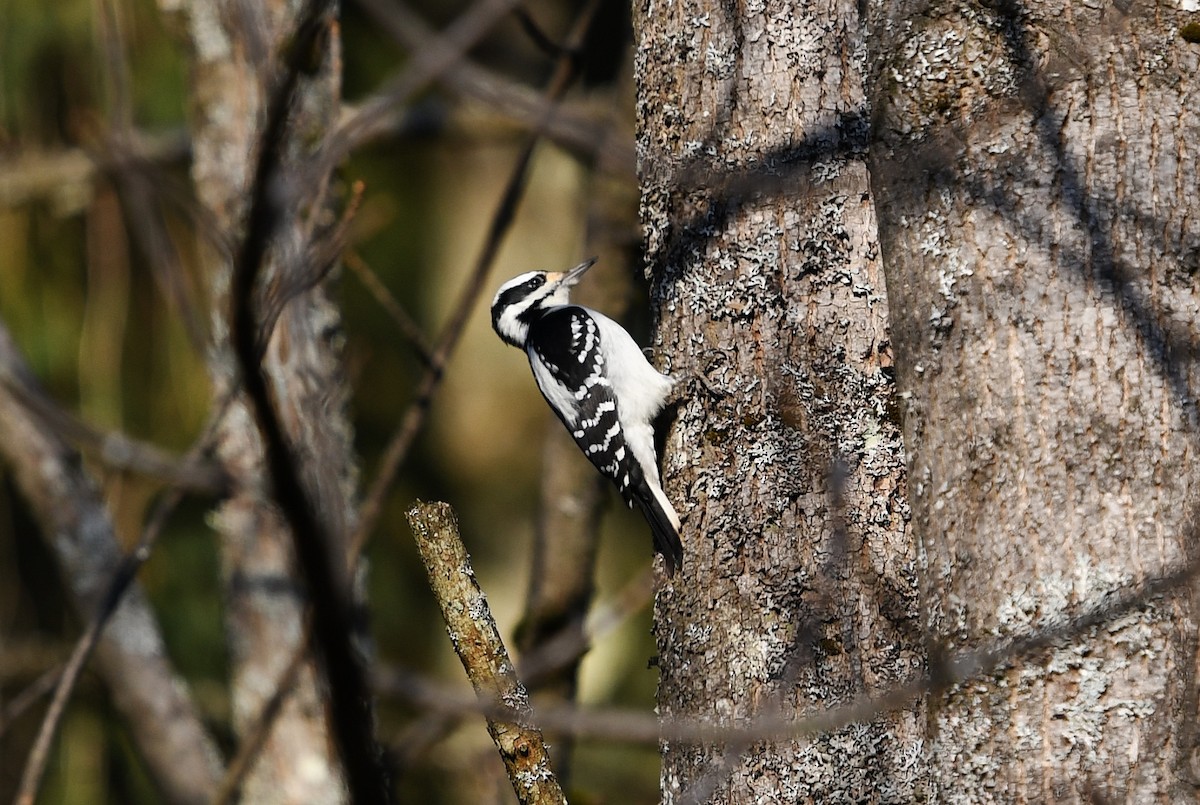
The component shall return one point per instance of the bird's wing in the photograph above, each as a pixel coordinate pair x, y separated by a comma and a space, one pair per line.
569, 369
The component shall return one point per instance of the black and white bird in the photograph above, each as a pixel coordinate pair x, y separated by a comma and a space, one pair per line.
600, 385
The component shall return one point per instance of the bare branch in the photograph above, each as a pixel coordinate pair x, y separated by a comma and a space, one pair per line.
484, 657
583, 131
440, 52
118, 451
180, 754
66, 177
636, 726
328, 583
18, 704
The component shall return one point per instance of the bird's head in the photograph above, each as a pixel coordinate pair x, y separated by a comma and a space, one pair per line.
522, 299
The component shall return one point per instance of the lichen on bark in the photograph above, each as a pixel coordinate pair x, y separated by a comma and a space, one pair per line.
798, 590
1040, 325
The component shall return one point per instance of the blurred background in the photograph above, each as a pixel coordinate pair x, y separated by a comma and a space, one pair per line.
80, 298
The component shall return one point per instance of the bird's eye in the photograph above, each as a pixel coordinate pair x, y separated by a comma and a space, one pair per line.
537, 281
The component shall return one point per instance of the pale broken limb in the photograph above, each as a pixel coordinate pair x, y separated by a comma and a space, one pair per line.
484, 657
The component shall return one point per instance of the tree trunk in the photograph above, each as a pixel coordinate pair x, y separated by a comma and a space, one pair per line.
1035, 166
237, 57
798, 587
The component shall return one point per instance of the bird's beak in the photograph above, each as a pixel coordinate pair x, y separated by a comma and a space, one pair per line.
569, 278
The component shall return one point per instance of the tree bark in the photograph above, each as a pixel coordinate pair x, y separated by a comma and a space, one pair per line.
237, 51
1034, 165
798, 587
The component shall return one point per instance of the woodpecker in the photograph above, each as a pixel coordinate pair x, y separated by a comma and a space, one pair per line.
598, 382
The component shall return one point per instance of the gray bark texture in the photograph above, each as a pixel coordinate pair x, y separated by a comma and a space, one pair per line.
1035, 170
237, 51
798, 590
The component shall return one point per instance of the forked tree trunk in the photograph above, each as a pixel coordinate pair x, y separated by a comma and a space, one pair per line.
798, 587
237, 49
1035, 171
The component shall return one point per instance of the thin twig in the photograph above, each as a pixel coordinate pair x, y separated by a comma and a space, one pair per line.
64, 680
639, 727
436, 55
74, 519
383, 297
115, 65
147, 221
66, 176
326, 249
18, 704
414, 417
141, 182
584, 132
35, 765
194, 473
571, 643
543, 40
484, 657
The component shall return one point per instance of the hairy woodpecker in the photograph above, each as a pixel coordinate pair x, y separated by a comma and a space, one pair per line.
599, 384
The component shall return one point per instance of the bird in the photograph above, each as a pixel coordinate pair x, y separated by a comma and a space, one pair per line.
600, 385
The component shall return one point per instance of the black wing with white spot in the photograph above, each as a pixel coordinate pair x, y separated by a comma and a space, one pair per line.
568, 362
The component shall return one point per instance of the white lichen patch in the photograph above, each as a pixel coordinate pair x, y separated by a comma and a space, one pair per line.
823, 242
753, 653
720, 59
950, 67
698, 633
1049, 599
478, 610
937, 239
738, 291
532, 779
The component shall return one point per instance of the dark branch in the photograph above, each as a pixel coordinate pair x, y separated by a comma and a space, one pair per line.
352, 717
414, 416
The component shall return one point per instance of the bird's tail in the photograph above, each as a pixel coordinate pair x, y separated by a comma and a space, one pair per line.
664, 525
